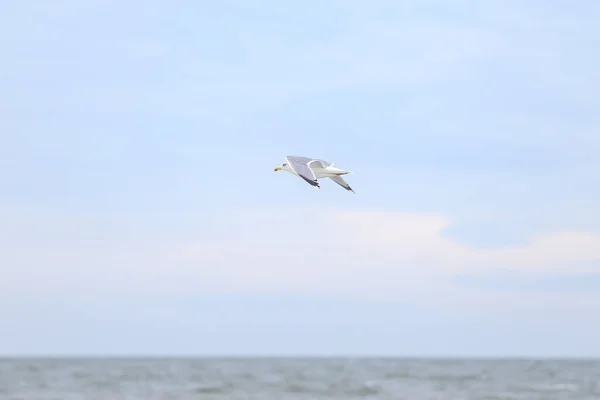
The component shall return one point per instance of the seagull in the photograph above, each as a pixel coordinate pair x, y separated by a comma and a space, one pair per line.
312, 169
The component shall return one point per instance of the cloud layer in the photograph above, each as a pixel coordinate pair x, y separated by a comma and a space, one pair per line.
358, 254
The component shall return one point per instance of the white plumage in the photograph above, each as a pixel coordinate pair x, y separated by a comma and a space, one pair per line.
313, 169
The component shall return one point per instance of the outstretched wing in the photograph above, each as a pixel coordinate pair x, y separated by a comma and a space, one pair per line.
318, 163
301, 166
311, 162
340, 181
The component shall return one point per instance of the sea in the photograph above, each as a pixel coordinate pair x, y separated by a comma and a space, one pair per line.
298, 379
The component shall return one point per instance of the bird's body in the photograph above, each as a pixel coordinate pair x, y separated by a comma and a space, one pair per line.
313, 169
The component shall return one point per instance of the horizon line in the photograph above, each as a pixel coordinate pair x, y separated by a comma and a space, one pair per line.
303, 356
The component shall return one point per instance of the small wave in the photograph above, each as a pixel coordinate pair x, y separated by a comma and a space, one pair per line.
211, 389
556, 387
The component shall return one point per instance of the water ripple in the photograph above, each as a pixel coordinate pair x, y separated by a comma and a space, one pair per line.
298, 379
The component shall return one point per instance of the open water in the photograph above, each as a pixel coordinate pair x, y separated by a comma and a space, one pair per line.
298, 379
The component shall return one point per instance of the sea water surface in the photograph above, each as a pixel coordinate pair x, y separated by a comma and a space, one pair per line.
298, 379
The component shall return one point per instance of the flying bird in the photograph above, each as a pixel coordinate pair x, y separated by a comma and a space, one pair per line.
313, 169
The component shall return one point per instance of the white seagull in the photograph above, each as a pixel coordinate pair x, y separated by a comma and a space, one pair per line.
312, 169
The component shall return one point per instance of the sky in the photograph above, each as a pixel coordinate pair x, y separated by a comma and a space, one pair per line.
140, 213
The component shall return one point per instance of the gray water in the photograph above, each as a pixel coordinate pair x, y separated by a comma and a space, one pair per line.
297, 379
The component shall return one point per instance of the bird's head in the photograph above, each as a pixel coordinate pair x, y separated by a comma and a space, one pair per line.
281, 167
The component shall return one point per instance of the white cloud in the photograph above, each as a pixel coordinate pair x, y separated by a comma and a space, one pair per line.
420, 237
356, 254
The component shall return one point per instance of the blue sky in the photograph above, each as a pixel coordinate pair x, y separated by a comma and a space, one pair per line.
140, 214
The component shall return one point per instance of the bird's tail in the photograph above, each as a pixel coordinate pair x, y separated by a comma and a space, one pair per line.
339, 171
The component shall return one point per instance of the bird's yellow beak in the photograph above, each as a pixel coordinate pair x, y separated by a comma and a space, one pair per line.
277, 169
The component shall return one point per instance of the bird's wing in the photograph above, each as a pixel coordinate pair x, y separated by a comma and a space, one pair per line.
318, 163
301, 166
340, 181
